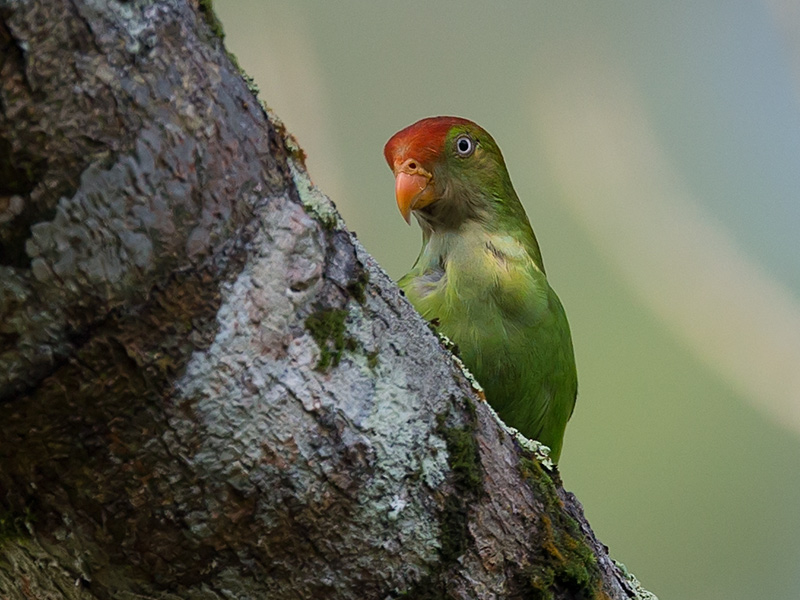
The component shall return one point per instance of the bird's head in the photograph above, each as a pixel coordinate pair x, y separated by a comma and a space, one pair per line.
447, 170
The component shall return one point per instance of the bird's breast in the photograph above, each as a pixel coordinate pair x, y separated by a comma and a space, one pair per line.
478, 286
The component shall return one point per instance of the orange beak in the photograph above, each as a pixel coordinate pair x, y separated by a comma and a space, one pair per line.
411, 188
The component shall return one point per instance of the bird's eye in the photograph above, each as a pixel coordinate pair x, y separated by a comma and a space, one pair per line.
464, 145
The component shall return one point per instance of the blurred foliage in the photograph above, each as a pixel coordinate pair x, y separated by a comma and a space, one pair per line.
681, 473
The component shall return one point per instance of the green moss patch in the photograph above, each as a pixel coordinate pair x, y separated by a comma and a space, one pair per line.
207, 10
14, 525
565, 564
464, 460
372, 359
358, 287
328, 329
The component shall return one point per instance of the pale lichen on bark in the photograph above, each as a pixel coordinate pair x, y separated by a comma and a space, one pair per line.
373, 456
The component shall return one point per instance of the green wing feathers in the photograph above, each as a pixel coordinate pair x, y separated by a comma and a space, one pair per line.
490, 297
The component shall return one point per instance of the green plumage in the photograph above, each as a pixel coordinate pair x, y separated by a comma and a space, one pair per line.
480, 276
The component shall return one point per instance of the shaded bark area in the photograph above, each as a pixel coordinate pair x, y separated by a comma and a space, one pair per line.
208, 389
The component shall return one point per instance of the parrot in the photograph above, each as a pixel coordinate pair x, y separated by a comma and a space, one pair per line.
479, 278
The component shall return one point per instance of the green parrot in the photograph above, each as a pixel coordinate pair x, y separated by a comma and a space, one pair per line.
479, 276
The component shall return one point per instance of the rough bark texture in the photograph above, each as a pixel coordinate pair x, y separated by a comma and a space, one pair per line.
207, 388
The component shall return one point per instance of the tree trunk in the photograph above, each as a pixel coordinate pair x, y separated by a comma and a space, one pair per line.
208, 388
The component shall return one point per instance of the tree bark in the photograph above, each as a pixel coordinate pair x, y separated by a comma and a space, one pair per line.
208, 389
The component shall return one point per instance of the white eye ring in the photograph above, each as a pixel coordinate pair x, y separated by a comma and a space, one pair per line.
464, 145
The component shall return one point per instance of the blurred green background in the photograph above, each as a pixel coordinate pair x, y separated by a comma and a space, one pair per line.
656, 146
